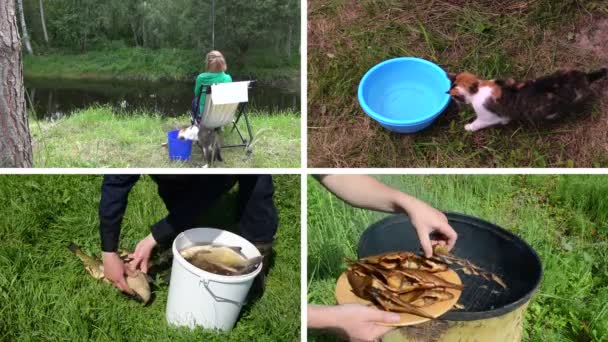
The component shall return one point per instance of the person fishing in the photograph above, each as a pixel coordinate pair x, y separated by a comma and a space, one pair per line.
215, 73
358, 322
186, 197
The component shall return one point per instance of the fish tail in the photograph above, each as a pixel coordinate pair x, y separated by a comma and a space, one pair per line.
254, 261
74, 248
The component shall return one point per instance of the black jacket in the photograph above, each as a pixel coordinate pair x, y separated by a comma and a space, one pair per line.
186, 197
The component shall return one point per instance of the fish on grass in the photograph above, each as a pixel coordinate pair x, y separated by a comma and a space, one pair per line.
222, 260
137, 281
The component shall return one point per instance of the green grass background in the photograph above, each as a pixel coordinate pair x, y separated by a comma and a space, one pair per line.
127, 63
100, 137
46, 295
564, 218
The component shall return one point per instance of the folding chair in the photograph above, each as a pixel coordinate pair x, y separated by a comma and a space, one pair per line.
221, 104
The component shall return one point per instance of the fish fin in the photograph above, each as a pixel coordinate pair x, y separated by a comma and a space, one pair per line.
235, 248
251, 265
256, 260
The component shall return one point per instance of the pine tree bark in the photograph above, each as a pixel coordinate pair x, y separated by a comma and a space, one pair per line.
46, 35
15, 140
26, 37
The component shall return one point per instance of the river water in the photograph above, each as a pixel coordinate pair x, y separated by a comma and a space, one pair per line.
55, 98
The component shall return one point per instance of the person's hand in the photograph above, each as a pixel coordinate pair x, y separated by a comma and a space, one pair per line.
141, 256
428, 220
114, 270
357, 322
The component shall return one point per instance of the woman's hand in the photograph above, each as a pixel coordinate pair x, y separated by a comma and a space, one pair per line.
355, 322
367, 192
141, 256
114, 270
428, 220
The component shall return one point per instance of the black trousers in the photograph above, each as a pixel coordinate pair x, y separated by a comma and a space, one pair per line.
188, 196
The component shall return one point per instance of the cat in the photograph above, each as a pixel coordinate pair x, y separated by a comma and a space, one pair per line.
500, 101
209, 141
188, 133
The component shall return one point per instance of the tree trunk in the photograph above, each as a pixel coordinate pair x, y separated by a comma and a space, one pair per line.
143, 31
134, 34
26, 37
289, 38
212, 24
83, 41
15, 141
46, 35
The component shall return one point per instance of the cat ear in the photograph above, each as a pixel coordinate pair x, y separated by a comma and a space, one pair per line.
452, 76
474, 87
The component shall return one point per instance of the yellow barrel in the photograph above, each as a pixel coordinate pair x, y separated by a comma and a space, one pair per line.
491, 313
505, 328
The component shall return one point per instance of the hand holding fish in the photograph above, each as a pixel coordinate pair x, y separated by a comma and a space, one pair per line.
367, 192
427, 220
141, 256
114, 270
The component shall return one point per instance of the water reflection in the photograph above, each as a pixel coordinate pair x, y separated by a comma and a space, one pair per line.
54, 98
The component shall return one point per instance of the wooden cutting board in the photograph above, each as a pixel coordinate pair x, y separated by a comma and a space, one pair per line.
345, 295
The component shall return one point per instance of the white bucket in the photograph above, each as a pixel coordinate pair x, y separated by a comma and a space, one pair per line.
200, 298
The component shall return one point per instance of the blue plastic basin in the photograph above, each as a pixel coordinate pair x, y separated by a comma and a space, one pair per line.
404, 94
179, 149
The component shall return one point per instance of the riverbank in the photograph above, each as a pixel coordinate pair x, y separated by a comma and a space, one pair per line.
145, 64
99, 137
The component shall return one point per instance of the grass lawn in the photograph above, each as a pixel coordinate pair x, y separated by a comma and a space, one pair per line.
523, 40
45, 293
99, 137
564, 218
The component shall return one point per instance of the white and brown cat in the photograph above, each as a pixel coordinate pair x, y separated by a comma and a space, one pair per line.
500, 101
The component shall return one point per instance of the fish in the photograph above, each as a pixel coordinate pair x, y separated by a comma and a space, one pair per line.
138, 281
408, 260
428, 297
375, 290
392, 302
400, 282
440, 250
224, 260
429, 278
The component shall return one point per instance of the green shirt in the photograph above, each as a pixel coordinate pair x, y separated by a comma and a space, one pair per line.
206, 79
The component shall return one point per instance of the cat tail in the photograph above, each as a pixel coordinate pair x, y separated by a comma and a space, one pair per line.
596, 75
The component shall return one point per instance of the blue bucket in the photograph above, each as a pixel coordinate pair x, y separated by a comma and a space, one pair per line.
179, 149
405, 94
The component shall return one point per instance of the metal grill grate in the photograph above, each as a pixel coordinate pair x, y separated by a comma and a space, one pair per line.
485, 245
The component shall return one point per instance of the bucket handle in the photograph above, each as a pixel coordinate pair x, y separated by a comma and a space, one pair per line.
217, 298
